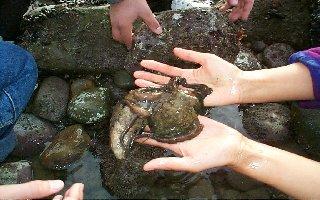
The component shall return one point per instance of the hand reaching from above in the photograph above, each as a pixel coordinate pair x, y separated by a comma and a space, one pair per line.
221, 76
240, 9
125, 13
217, 145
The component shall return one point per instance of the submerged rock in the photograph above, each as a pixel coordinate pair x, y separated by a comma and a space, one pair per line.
32, 134
50, 102
123, 79
242, 182
315, 23
90, 106
204, 30
15, 172
258, 46
67, 147
201, 190
277, 55
74, 40
246, 61
268, 123
80, 85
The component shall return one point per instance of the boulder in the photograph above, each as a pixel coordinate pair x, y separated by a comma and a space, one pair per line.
277, 55
80, 85
32, 134
123, 79
246, 61
315, 23
242, 182
15, 172
202, 189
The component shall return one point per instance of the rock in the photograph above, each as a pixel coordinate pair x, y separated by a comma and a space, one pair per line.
201, 190
306, 126
50, 102
80, 85
15, 172
32, 134
246, 61
187, 4
315, 23
241, 182
106, 82
286, 21
204, 30
74, 40
90, 106
159, 5
259, 193
67, 147
230, 194
277, 55
123, 79
258, 46
268, 123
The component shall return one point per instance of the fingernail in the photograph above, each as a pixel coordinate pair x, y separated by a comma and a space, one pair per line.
58, 197
158, 30
56, 185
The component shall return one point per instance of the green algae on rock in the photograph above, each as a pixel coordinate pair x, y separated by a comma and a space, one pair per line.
15, 172
74, 40
90, 106
66, 148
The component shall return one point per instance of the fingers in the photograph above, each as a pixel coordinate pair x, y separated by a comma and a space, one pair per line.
189, 55
163, 68
241, 10
232, 2
155, 78
172, 163
248, 5
75, 192
152, 142
144, 83
31, 190
151, 21
126, 34
236, 11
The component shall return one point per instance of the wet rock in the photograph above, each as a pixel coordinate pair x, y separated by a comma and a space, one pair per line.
187, 4
258, 46
50, 102
74, 40
230, 194
15, 172
286, 21
123, 79
315, 23
241, 182
67, 147
106, 82
268, 123
259, 193
32, 134
90, 106
201, 190
80, 85
159, 5
306, 126
277, 55
246, 61
204, 30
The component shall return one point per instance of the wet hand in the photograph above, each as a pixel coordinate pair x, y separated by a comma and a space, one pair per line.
217, 145
240, 9
221, 76
40, 189
123, 15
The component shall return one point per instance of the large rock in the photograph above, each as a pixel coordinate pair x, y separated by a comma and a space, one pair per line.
51, 100
277, 55
306, 125
73, 39
315, 23
15, 172
32, 134
204, 30
246, 61
242, 182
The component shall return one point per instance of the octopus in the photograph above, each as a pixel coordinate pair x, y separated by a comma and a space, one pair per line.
171, 113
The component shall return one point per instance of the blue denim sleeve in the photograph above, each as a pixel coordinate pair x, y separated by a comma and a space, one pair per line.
311, 59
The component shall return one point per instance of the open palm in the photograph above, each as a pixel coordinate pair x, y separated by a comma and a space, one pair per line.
221, 76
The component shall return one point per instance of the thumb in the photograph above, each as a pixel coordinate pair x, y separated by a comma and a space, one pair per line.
31, 190
233, 2
151, 21
172, 163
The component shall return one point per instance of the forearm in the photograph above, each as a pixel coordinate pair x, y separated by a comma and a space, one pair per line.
292, 82
294, 175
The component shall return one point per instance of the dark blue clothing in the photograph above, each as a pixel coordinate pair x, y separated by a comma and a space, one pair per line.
18, 76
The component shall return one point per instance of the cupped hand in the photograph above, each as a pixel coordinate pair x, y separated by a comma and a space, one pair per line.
217, 145
40, 189
221, 76
240, 9
124, 14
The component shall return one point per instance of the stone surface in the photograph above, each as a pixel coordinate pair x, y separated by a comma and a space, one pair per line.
241, 182
50, 101
258, 46
74, 40
80, 85
268, 123
204, 30
277, 55
32, 134
246, 61
123, 79
90, 106
201, 190
15, 172
230, 194
315, 23
67, 147
259, 193
306, 126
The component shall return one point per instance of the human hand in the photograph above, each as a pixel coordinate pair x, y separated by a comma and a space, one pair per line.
217, 145
241, 9
40, 189
221, 76
123, 15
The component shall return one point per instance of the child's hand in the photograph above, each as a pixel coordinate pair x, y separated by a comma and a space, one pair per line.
241, 9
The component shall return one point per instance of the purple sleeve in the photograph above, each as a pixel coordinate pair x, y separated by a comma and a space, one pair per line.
311, 59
